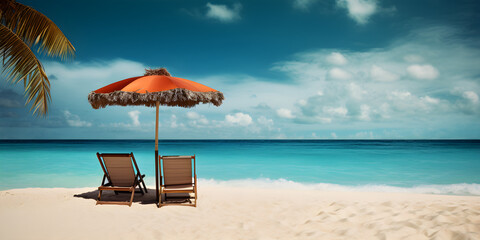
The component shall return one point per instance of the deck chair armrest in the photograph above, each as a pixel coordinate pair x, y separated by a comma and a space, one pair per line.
122, 189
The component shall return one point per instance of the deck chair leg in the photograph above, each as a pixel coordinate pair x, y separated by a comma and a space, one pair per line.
160, 200
144, 187
99, 196
141, 190
131, 198
103, 180
196, 197
137, 183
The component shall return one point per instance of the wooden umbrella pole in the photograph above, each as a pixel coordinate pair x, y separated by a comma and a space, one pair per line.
156, 154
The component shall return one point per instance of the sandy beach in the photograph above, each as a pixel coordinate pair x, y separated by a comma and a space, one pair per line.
239, 213
285, 120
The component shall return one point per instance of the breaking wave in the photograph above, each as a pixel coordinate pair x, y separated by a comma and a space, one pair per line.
472, 189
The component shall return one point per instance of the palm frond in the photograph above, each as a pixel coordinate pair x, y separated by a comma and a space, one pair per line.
35, 29
6, 9
21, 64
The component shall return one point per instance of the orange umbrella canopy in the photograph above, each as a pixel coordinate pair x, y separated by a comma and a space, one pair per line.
155, 85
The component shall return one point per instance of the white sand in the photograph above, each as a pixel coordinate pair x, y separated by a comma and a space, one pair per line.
240, 213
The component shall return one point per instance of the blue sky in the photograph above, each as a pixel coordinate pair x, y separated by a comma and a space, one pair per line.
295, 69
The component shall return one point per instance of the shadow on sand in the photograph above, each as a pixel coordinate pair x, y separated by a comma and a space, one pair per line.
147, 198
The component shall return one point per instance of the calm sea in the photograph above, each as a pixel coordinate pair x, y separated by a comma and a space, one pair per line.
422, 166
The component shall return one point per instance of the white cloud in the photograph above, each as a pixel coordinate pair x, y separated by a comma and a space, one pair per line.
334, 135
379, 74
303, 4
401, 95
94, 74
356, 92
470, 95
336, 111
223, 13
241, 119
285, 113
324, 119
265, 123
74, 120
134, 124
193, 115
431, 100
203, 121
309, 66
302, 102
337, 58
365, 112
197, 119
134, 117
338, 73
427, 72
359, 10
173, 121
364, 135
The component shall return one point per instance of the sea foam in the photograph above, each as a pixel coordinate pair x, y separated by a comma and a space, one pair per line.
472, 189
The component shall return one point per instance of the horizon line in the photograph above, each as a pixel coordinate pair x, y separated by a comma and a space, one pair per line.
247, 139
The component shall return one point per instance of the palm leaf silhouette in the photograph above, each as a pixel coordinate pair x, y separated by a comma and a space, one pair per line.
22, 30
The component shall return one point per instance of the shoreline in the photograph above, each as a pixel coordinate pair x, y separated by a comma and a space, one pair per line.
462, 189
238, 213
454, 189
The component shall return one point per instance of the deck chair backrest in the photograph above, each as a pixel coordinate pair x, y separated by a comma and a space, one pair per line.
120, 169
177, 170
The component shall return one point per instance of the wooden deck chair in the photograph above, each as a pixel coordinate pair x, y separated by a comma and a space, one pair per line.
177, 178
118, 170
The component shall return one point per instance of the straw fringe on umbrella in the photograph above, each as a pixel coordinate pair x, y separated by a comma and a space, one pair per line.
177, 97
174, 98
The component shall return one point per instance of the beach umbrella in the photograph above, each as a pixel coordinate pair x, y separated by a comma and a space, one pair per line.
157, 87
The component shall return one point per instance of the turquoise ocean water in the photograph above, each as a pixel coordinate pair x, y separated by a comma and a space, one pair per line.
422, 166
